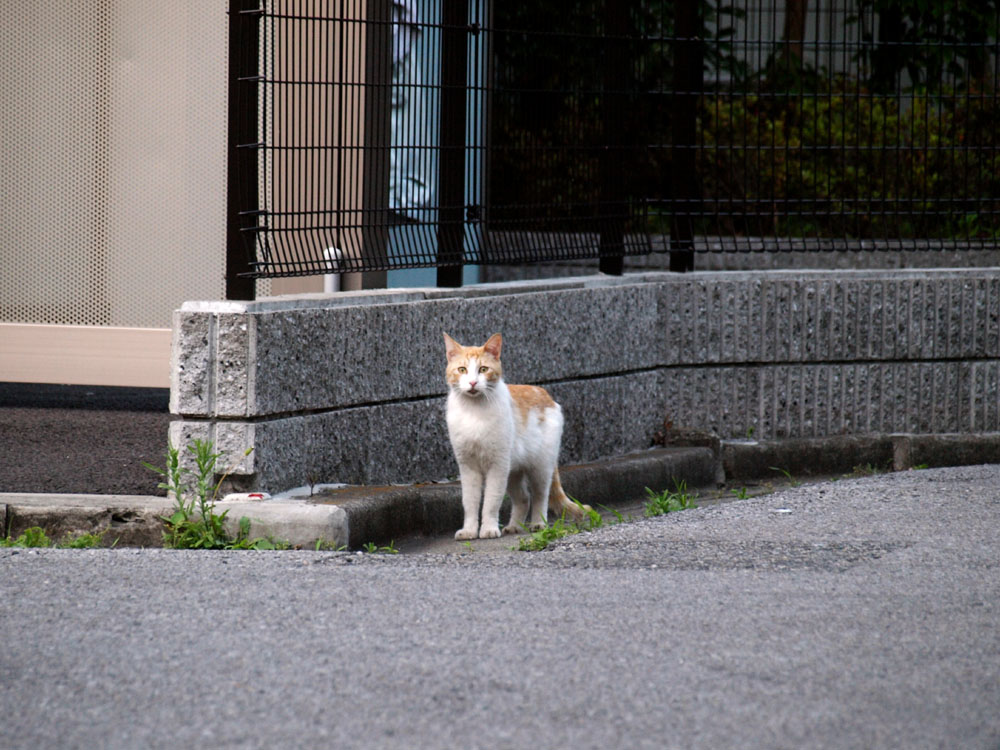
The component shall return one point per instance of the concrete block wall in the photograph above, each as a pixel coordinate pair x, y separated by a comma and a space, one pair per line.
349, 387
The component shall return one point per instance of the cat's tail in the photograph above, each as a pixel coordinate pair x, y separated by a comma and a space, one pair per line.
560, 504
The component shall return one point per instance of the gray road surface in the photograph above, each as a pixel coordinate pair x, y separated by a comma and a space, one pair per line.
858, 614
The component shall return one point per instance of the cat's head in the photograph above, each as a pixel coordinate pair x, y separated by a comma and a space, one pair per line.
473, 371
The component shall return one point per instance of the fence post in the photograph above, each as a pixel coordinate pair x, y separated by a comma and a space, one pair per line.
687, 88
241, 150
377, 129
612, 195
451, 176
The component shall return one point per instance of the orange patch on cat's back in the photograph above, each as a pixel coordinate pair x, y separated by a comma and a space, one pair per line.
529, 398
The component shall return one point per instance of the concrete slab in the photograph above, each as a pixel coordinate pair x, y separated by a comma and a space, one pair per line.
384, 514
353, 516
769, 459
135, 521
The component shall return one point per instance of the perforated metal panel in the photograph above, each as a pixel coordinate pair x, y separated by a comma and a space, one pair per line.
113, 127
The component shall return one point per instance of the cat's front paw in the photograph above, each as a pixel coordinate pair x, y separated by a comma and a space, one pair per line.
537, 526
489, 532
463, 535
511, 529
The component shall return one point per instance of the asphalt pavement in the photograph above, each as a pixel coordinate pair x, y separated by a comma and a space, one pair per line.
861, 613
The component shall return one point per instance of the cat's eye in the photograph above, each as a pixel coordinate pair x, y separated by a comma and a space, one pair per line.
484, 368
462, 370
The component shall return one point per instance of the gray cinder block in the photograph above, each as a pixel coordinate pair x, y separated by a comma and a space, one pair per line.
349, 387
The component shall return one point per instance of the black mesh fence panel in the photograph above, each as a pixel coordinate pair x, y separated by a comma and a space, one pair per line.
433, 133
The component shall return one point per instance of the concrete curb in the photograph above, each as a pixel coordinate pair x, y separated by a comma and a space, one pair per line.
350, 516
382, 514
353, 516
134, 520
749, 459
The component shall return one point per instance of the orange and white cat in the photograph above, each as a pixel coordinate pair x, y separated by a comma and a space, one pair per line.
505, 438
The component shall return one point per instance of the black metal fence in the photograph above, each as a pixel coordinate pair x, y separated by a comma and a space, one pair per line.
372, 135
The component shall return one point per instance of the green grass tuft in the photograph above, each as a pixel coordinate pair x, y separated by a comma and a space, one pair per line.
388, 549
35, 536
668, 501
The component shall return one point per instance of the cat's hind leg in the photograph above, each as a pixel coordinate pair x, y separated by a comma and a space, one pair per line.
519, 502
560, 503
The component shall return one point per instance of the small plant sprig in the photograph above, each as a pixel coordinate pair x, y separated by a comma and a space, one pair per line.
591, 518
323, 545
85, 541
788, 475
194, 524
868, 469
542, 538
35, 536
243, 540
619, 517
372, 548
668, 501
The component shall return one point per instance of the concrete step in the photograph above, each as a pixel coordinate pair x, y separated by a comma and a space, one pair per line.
384, 514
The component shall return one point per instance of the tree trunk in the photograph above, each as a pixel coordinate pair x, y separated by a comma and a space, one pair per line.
795, 30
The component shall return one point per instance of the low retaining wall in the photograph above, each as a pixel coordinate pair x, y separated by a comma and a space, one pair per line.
349, 387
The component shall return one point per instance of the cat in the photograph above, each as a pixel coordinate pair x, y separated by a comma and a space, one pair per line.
505, 438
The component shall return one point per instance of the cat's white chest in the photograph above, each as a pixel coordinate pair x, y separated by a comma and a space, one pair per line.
481, 431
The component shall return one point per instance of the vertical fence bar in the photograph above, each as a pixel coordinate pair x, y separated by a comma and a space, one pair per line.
241, 167
451, 164
687, 87
377, 134
611, 212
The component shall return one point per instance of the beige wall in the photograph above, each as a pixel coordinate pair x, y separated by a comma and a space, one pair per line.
113, 125
113, 128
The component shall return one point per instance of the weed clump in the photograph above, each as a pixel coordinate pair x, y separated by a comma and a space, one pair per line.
194, 524
35, 537
542, 538
667, 501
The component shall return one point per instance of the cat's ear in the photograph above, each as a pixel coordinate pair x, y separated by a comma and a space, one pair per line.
493, 344
451, 347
